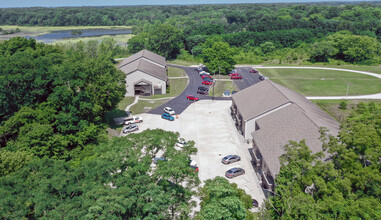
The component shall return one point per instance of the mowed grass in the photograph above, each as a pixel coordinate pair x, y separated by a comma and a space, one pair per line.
175, 72
221, 87
149, 105
324, 82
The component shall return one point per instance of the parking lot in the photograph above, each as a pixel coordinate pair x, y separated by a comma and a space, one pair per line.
210, 125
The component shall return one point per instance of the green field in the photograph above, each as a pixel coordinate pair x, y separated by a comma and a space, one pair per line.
221, 87
324, 82
176, 72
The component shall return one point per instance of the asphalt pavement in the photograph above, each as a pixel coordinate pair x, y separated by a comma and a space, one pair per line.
180, 103
248, 79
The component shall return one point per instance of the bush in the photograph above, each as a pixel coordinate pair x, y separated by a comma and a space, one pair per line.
343, 105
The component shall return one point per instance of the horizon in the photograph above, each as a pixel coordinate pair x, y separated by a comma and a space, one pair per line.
116, 3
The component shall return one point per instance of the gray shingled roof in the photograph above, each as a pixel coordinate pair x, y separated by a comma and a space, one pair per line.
258, 99
146, 54
278, 128
267, 95
146, 67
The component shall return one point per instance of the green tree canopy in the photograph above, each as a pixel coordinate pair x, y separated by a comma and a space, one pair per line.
218, 56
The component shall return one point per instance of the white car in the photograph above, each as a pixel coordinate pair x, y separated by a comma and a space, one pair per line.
169, 110
181, 143
203, 72
130, 128
132, 120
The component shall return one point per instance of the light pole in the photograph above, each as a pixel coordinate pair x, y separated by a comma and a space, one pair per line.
213, 83
219, 72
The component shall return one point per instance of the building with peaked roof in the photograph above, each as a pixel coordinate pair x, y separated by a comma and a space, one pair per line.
146, 74
270, 115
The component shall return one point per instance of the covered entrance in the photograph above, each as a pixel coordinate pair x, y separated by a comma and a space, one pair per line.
143, 88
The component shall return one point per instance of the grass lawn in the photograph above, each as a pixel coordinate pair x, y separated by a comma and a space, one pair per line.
372, 69
221, 86
176, 72
182, 62
309, 82
139, 107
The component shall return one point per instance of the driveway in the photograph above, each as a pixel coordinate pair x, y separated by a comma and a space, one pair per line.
212, 128
180, 103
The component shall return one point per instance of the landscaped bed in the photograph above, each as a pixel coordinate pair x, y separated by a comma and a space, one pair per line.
311, 82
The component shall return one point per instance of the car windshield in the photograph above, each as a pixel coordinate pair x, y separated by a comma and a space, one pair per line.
230, 171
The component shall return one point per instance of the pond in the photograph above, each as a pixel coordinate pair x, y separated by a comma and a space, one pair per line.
60, 35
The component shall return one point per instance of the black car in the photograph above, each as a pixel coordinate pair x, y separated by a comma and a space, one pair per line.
203, 90
261, 78
208, 79
198, 69
255, 203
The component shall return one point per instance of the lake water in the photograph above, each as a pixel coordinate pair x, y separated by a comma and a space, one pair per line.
60, 35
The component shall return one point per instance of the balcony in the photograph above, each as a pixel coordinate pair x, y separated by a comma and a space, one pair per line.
257, 158
268, 183
233, 110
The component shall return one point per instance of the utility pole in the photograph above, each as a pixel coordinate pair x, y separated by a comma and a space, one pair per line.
346, 96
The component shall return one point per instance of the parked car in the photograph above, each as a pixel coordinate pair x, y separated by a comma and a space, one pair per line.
132, 120
198, 69
181, 143
253, 71
192, 98
203, 90
169, 110
130, 128
230, 159
207, 82
204, 72
205, 76
236, 77
233, 172
157, 159
193, 166
262, 78
233, 74
234, 92
167, 116
233, 71
255, 203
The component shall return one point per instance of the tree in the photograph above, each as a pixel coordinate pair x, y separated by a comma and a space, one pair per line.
347, 186
218, 56
222, 200
321, 51
119, 181
163, 39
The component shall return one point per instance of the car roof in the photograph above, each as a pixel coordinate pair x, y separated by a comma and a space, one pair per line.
235, 169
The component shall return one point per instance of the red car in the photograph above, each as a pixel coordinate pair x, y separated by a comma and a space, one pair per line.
236, 77
205, 75
233, 74
205, 82
253, 71
192, 97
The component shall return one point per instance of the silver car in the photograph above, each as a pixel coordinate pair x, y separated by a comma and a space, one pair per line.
230, 159
233, 172
130, 128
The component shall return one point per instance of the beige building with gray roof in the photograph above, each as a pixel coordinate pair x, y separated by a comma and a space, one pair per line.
146, 74
270, 115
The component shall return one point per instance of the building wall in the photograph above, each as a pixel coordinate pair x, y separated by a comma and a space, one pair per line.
249, 128
135, 77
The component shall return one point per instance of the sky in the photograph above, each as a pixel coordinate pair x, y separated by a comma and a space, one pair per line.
58, 3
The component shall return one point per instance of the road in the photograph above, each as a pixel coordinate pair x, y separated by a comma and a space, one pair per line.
180, 103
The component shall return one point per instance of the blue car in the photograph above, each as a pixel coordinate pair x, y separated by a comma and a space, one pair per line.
167, 116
